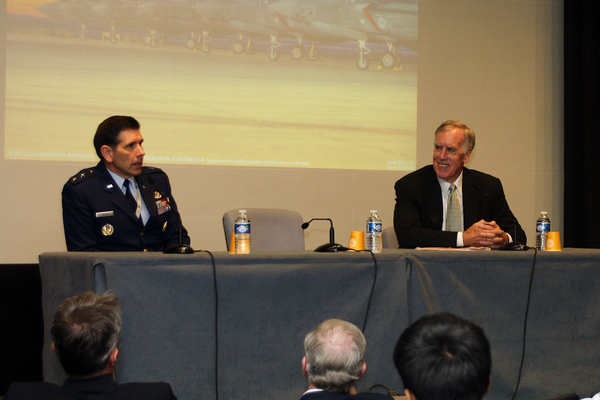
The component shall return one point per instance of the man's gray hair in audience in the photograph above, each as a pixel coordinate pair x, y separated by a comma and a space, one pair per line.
335, 354
85, 331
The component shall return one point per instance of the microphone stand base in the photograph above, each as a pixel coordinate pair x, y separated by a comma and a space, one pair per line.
179, 249
330, 248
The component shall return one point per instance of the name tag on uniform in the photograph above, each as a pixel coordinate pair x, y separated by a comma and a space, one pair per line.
104, 214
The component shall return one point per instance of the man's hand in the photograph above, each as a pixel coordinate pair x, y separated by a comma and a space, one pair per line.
485, 234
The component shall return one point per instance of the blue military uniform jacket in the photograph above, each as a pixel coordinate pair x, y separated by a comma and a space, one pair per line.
98, 217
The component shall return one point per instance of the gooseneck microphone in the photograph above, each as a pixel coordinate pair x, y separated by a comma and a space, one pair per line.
180, 248
330, 247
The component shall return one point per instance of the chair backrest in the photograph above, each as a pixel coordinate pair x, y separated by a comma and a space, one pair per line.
271, 230
390, 241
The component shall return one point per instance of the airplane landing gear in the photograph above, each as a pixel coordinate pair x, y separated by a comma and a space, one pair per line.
313, 54
274, 52
363, 62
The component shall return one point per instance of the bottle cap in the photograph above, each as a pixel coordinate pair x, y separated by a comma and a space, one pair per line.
373, 211
242, 211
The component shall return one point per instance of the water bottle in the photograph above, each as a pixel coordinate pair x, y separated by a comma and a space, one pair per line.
542, 227
242, 233
374, 231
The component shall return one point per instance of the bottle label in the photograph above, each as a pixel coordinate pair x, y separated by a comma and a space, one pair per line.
542, 227
374, 227
242, 228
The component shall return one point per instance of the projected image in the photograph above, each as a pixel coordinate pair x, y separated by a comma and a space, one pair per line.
288, 83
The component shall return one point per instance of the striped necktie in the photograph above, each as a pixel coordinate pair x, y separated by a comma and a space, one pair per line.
453, 213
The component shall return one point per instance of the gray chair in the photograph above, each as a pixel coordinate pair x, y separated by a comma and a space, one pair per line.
271, 229
388, 236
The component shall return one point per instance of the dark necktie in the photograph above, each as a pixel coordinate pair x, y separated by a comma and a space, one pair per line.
130, 199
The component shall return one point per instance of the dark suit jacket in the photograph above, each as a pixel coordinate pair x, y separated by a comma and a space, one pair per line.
419, 213
94, 191
325, 395
102, 387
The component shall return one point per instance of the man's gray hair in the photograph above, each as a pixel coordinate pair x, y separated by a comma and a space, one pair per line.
469, 134
335, 353
85, 331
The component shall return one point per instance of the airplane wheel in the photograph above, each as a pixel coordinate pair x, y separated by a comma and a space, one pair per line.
250, 48
362, 64
153, 43
114, 39
148, 40
190, 44
274, 55
297, 52
238, 47
205, 48
313, 55
388, 60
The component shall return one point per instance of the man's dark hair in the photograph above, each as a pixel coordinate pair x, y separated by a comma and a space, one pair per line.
85, 331
108, 131
443, 356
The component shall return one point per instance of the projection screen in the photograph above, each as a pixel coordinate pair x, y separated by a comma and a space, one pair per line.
286, 83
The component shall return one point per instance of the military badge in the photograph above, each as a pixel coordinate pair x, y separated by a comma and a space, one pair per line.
108, 230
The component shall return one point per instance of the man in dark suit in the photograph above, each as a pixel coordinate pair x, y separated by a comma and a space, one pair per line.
480, 216
86, 334
119, 205
334, 360
443, 356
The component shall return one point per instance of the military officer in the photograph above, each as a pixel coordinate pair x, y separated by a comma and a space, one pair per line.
120, 205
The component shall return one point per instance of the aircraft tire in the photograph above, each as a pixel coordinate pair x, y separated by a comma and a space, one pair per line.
274, 55
297, 53
388, 60
250, 49
238, 47
362, 64
205, 48
190, 44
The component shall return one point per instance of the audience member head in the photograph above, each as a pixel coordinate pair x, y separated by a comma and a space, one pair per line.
444, 357
335, 356
108, 131
86, 334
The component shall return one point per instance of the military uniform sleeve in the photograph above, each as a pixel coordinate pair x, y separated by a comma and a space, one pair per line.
77, 220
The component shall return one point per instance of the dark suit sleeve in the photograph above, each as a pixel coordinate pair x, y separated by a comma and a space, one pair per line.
77, 220
412, 223
501, 211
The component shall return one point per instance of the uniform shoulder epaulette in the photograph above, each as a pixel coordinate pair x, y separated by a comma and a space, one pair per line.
151, 170
83, 175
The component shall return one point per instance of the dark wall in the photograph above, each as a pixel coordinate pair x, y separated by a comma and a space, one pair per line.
22, 327
582, 85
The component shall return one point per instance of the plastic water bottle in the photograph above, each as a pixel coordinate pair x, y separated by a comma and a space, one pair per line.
374, 231
542, 227
242, 233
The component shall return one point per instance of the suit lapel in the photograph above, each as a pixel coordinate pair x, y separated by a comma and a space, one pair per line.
433, 199
471, 199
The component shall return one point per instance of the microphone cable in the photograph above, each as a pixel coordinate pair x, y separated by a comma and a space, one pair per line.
525, 325
372, 285
214, 269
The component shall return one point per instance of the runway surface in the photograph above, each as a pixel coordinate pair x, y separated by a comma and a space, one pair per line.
217, 108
